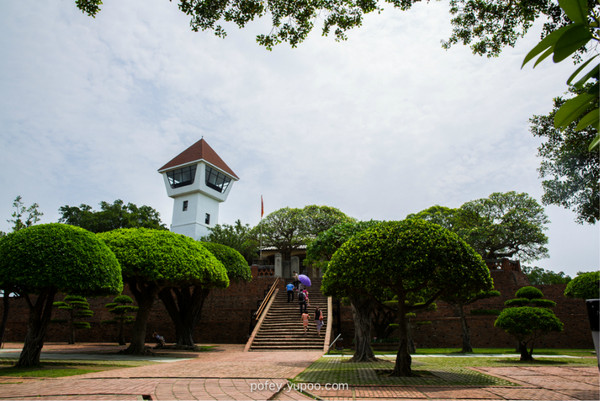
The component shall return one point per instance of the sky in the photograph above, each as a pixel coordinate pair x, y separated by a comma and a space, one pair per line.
384, 124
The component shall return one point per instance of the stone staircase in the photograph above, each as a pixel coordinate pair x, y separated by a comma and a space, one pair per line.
282, 327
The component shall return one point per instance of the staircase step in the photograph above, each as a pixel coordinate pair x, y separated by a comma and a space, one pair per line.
282, 327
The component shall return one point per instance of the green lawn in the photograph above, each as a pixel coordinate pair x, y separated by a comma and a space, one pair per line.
456, 351
442, 371
61, 368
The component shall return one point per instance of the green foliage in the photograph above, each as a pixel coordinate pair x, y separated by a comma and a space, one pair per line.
321, 249
502, 225
529, 292
543, 303
490, 25
165, 258
528, 323
508, 224
111, 216
120, 308
236, 236
584, 286
517, 302
563, 43
76, 307
235, 264
487, 25
60, 258
538, 276
288, 228
570, 172
412, 256
19, 218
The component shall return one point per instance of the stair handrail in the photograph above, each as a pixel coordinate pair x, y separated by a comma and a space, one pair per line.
263, 304
334, 341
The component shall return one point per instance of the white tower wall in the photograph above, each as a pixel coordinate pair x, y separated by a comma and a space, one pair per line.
196, 204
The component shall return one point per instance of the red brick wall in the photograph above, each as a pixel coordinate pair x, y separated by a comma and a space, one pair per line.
225, 319
445, 332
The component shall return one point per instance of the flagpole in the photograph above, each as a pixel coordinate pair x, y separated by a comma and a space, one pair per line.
262, 212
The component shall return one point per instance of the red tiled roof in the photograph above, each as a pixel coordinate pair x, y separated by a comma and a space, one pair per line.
199, 151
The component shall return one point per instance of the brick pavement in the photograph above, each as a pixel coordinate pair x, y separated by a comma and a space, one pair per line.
230, 374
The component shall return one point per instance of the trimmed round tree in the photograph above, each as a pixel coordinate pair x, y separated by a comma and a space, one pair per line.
184, 303
413, 259
318, 253
152, 260
526, 324
46, 259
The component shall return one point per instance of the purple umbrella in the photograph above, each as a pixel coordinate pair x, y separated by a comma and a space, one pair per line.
304, 280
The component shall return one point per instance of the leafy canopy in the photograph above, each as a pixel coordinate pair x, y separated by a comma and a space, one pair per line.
486, 25
111, 216
563, 43
570, 172
584, 286
58, 257
236, 236
538, 276
508, 224
410, 256
163, 257
235, 264
287, 229
528, 323
321, 249
505, 224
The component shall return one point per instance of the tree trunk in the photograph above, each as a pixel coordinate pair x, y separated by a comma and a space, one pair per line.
39, 318
72, 326
361, 313
411, 343
144, 296
184, 306
121, 336
526, 356
466, 334
403, 358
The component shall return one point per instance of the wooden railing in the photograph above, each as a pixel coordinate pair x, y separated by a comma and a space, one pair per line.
265, 301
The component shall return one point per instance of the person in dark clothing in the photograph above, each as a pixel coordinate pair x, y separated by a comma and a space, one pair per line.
302, 302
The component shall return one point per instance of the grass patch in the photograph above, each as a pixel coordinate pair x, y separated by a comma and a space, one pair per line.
438, 371
63, 368
456, 351
336, 370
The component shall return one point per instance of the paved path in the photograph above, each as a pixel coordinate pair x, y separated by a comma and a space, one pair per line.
230, 374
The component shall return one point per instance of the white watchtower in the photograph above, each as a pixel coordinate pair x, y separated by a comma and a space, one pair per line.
198, 180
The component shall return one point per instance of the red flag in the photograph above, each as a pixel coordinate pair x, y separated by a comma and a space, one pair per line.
262, 207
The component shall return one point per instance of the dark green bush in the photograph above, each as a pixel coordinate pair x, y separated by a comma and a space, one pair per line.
529, 293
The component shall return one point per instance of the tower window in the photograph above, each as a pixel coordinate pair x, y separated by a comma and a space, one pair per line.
216, 180
182, 176
185, 205
207, 219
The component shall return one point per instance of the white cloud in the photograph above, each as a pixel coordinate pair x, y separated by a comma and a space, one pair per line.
380, 126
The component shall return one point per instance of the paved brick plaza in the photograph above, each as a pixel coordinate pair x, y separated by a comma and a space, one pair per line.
230, 374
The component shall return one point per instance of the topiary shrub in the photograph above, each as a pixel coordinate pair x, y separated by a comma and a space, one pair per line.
527, 324
529, 292
76, 307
